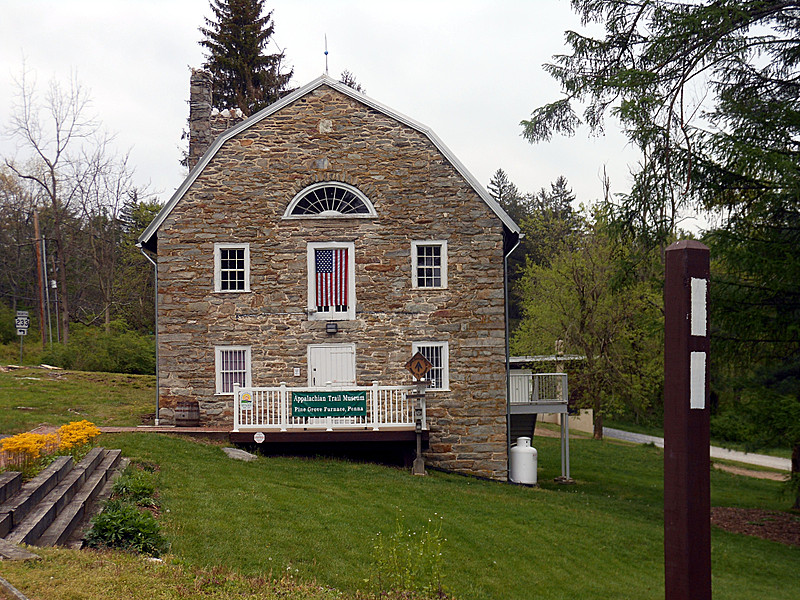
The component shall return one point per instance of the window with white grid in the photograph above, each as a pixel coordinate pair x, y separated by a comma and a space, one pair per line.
232, 366
429, 264
438, 355
330, 199
231, 267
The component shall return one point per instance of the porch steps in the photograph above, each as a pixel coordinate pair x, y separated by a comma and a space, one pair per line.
46, 510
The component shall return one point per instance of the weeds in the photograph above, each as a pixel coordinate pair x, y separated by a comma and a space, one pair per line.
408, 563
136, 485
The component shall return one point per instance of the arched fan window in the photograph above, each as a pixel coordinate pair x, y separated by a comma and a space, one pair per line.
330, 199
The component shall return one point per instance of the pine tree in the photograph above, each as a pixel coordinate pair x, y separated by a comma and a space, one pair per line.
244, 76
708, 91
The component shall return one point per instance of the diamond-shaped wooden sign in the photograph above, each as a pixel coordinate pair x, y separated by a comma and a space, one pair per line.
419, 365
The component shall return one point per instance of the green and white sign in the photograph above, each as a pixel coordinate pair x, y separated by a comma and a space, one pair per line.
329, 404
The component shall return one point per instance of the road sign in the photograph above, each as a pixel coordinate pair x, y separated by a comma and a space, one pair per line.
22, 332
22, 321
419, 365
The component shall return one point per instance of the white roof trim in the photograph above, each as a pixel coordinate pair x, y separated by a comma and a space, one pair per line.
151, 230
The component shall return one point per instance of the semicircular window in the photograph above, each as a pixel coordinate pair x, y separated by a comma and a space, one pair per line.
330, 199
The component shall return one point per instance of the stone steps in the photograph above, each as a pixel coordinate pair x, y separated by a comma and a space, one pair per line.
46, 510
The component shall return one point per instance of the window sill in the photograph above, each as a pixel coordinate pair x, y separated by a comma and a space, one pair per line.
231, 291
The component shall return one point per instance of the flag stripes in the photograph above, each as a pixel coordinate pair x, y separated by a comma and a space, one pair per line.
331, 270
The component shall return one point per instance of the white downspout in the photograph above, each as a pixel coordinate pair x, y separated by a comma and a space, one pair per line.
508, 353
155, 284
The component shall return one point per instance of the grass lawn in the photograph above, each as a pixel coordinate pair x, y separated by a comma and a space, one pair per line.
31, 396
317, 519
234, 526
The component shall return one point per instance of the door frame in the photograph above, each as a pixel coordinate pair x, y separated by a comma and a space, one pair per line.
350, 345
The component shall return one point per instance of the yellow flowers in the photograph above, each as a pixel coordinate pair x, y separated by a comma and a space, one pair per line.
25, 449
76, 434
31, 445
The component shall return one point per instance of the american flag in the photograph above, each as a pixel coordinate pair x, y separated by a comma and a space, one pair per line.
331, 268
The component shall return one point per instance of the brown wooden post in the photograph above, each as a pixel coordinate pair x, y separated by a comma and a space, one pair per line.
687, 494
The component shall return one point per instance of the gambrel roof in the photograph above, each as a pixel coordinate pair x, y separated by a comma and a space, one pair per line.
149, 236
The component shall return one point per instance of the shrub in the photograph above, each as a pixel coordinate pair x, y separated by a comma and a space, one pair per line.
8, 333
124, 527
92, 349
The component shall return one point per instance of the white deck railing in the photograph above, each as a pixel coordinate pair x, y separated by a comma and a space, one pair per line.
538, 388
270, 408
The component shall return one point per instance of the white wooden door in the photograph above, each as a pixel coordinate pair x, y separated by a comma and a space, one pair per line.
334, 363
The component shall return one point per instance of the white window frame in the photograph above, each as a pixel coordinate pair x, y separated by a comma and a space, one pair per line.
350, 313
371, 214
218, 350
414, 256
218, 267
445, 348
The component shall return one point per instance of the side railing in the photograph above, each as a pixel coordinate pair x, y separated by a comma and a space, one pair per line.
539, 389
285, 408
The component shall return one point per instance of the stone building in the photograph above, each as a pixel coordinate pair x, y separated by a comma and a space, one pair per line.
324, 241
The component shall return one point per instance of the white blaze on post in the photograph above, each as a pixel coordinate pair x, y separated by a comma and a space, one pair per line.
697, 379
699, 310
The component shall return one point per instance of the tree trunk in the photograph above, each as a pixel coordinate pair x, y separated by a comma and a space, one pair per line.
598, 419
796, 475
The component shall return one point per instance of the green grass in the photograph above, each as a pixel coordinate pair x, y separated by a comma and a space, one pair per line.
30, 397
92, 575
318, 519
601, 538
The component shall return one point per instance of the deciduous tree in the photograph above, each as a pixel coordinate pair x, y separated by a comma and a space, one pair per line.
579, 296
52, 131
708, 92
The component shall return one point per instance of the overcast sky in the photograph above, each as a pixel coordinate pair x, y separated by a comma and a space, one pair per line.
468, 69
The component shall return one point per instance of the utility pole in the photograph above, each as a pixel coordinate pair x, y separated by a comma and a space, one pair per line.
39, 279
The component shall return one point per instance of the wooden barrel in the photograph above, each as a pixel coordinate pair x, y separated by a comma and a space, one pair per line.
187, 413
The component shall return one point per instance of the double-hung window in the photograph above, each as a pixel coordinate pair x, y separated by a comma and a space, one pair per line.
232, 365
438, 355
331, 281
231, 267
429, 264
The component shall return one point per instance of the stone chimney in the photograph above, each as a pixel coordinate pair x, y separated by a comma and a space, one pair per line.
205, 123
200, 134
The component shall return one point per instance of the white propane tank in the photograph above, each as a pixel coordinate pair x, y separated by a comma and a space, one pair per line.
524, 462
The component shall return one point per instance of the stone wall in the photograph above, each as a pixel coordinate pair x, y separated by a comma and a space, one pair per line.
241, 196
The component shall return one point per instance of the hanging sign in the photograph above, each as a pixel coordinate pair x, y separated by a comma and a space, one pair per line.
329, 404
246, 401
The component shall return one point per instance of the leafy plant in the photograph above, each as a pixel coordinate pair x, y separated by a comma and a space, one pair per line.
408, 562
123, 526
135, 485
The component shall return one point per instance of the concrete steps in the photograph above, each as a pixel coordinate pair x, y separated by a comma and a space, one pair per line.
46, 510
